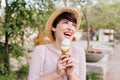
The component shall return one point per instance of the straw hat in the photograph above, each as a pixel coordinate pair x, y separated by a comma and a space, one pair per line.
57, 13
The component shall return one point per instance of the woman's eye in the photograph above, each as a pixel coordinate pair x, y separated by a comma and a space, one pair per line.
74, 25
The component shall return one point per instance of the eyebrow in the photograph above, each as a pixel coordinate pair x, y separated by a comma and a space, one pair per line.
69, 20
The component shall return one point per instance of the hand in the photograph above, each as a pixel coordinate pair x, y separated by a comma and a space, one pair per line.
70, 66
61, 64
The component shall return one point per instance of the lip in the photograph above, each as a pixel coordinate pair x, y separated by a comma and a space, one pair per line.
68, 34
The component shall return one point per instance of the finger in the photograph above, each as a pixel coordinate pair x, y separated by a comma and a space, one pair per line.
71, 64
62, 57
69, 55
65, 59
64, 66
61, 63
70, 60
61, 67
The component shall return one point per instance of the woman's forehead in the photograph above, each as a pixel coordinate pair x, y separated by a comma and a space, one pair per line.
67, 20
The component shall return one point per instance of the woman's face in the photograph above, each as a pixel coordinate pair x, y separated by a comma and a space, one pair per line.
64, 29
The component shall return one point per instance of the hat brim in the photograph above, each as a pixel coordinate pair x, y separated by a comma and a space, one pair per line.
58, 12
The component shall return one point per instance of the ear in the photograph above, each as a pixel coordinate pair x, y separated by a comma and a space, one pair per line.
53, 29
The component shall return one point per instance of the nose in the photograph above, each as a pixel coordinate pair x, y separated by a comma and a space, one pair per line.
71, 26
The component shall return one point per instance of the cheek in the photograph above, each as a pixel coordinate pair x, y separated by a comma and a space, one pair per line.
59, 32
74, 30
60, 28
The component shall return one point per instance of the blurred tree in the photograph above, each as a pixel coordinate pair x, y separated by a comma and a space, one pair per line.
103, 14
106, 14
19, 15
84, 4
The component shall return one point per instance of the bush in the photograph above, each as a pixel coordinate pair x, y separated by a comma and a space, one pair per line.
1, 58
14, 49
22, 74
11, 76
93, 76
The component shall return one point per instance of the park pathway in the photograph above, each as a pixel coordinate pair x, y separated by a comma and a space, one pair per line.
113, 72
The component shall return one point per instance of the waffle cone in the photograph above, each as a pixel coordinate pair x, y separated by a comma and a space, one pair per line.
64, 51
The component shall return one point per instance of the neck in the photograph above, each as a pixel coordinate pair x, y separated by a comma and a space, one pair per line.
58, 44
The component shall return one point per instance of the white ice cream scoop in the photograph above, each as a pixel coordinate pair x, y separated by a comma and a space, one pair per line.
65, 45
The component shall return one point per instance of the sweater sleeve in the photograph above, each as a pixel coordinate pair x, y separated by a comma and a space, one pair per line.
36, 63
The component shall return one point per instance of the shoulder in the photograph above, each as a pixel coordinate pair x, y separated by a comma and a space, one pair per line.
40, 47
39, 50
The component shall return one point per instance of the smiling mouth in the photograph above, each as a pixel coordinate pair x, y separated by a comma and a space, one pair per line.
68, 34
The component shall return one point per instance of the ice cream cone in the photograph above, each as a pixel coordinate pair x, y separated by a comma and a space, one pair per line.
65, 46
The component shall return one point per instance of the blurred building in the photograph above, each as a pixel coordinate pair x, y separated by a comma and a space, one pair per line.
106, 35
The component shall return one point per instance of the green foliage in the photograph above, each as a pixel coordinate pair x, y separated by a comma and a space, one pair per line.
16, 50
105, 15
83, 24
17, 17
93, 76
20, 15
1, 58
22, 74
11, 76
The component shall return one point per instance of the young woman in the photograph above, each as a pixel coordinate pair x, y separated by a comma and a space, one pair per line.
47, 61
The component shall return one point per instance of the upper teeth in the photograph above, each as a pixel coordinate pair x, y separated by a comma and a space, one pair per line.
68, 33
